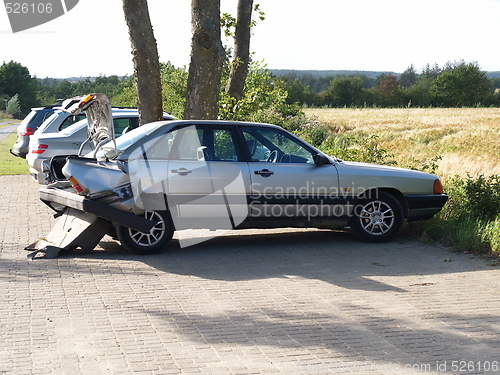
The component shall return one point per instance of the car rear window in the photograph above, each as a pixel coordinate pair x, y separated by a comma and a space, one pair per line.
29, 118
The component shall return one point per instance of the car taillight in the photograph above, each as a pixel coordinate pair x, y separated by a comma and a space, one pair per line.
75, 184
27, 131
85, 100
39, 149
438, 187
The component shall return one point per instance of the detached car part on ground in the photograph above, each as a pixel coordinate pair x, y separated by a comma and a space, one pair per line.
176, 175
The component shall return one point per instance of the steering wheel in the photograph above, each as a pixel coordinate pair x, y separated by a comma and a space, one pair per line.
273, 157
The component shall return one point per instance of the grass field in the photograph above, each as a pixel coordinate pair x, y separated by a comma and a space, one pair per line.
9, 164
467, 139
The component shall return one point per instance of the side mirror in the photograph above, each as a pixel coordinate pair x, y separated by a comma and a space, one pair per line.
321, 159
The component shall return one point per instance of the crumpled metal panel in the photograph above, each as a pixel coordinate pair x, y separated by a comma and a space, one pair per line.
99, 114
74, 229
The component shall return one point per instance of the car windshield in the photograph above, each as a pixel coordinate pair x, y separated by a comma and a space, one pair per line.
108, 150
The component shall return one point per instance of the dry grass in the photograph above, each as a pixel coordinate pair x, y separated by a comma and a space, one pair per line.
467, 139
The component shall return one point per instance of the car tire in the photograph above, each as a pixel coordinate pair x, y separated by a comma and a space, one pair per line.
378, 218
154, 241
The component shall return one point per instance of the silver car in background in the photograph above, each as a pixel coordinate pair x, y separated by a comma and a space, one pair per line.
28, 126
61, 120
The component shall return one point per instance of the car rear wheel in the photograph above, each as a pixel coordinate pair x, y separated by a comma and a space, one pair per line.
152, 242
377, 219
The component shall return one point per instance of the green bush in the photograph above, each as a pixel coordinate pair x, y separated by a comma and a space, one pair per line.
470, 220
173, 82
360, 148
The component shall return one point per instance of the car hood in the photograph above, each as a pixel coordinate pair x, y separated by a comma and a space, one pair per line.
359, 177
386, 169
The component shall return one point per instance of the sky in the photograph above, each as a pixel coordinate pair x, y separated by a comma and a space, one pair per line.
375, 35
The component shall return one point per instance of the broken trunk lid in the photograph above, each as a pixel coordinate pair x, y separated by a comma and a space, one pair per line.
100, 127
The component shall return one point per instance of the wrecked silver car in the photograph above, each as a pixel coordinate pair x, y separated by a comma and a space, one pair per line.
187, 174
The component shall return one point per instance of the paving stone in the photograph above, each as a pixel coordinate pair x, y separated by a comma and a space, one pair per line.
249, 302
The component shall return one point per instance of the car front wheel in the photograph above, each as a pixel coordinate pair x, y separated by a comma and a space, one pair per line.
377, 219
152, 242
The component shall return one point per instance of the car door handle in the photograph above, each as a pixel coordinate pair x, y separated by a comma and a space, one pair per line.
181, 171
264, 172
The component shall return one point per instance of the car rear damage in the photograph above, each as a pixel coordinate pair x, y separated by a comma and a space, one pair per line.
82, 223
86, 214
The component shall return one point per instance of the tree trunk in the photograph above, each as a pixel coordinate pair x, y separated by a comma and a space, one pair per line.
239, 67
146, 61
205, 69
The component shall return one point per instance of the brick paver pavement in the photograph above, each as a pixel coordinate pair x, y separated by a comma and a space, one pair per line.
248, 302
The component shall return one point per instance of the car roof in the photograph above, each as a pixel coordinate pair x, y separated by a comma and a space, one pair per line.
51, 106
217, 122
117, 113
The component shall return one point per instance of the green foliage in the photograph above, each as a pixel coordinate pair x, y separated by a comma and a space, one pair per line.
313, 132
345, 92
128, 95
419, 94
470, 220
461, 85
409, 77
51, 90
228, 22
425, 165
13, 105
174, 86
264, 99
16, 79
478, 197
360, 148
458, 84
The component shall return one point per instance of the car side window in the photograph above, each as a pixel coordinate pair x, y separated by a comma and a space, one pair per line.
204, 143
70, 120
121, 125
158, 148
224, 149
188, 144
275, 146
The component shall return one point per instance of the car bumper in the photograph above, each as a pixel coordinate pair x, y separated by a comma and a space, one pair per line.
37, 176
21, 147
55, 197
424, 207
19, 151
35, 168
